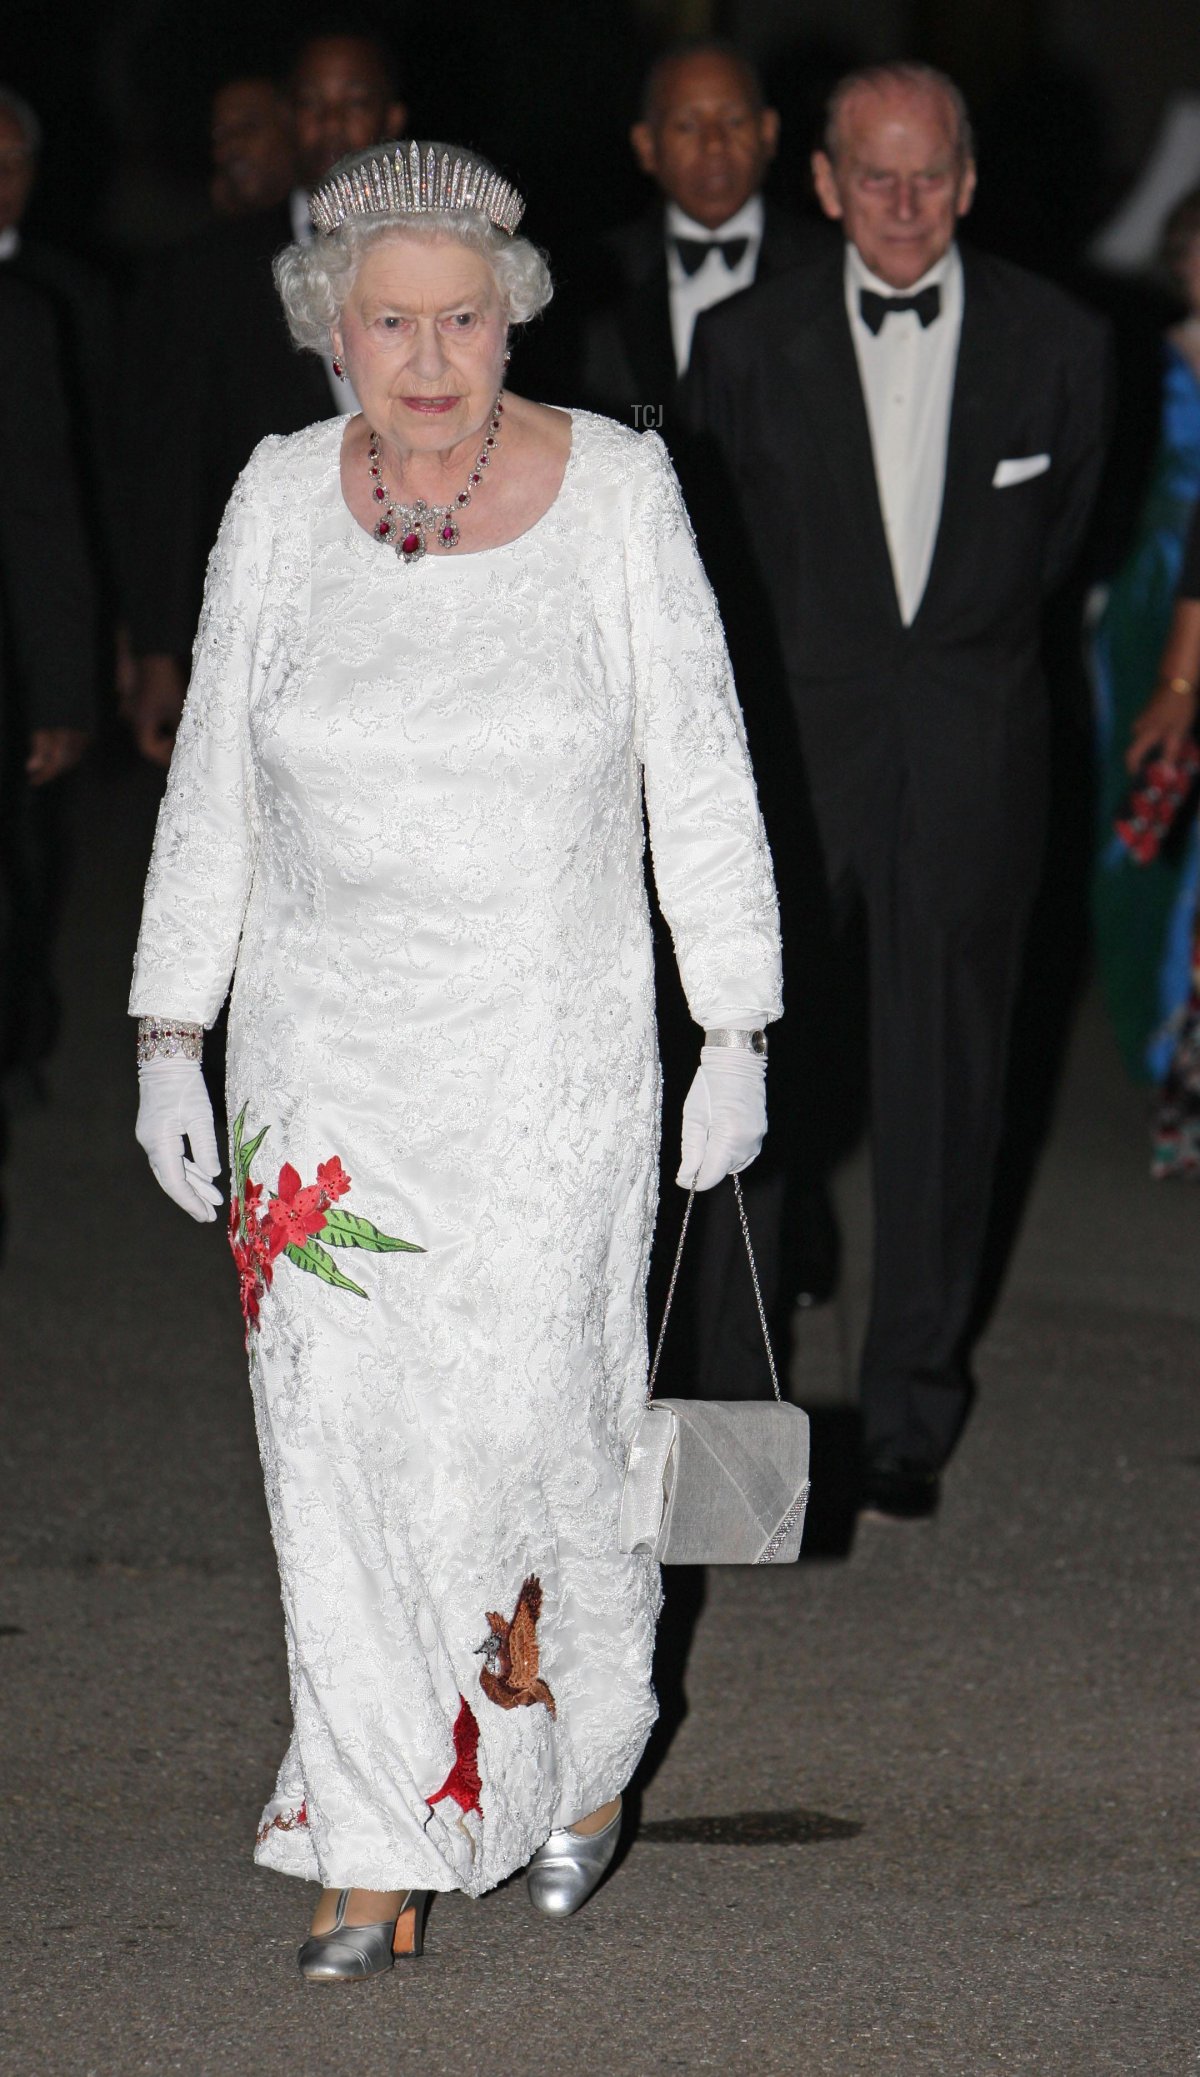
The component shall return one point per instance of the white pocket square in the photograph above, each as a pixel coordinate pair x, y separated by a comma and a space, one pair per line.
1019, 470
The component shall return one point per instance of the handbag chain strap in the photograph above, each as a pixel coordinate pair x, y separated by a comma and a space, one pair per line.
758, 1298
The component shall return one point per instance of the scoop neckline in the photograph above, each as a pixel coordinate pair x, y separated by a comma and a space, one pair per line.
368, 541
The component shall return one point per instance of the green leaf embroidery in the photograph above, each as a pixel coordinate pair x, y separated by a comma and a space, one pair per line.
319, 1262
342, 1229
244, 1152
239, 1165
351, 1230
249, 1151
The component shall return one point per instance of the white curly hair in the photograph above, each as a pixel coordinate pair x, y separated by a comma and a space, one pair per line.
315, 280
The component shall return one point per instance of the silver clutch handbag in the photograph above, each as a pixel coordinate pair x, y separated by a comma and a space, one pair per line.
716, 1481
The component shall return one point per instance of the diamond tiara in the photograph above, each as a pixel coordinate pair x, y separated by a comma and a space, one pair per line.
399, 179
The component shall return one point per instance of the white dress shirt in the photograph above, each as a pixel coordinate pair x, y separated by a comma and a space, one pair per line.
712, 282
10, 243
302, 231
907, 373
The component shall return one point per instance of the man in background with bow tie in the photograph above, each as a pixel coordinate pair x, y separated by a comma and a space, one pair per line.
912, 435
707, 139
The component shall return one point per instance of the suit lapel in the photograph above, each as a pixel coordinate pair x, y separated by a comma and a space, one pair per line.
645, 325
822, 358
976, 396
644, 315
642, 311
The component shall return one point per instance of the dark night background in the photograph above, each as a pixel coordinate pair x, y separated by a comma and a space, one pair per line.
981, 1735
1067, 96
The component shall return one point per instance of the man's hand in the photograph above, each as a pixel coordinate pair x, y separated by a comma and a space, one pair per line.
53, 751
156, 706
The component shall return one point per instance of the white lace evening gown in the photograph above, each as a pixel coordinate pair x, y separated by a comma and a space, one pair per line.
405, 813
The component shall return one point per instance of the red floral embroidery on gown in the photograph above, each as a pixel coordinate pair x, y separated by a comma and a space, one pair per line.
296, 1213
295, 1216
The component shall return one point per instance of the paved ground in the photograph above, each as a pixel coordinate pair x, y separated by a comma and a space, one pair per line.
932, 1807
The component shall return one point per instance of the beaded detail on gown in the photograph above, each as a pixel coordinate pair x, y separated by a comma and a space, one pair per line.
406, 805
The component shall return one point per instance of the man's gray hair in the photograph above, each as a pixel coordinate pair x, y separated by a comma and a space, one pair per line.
24, 118
315, 280
902, 73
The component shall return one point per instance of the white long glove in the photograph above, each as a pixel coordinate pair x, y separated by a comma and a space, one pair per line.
724, 1116
174, 1101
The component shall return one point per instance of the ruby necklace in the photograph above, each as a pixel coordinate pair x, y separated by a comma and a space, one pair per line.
404, 527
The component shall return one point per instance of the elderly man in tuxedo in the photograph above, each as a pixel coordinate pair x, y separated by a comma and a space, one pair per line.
914, 433
706, 138
216, 371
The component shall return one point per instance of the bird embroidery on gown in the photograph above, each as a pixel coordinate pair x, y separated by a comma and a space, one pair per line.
510, 1676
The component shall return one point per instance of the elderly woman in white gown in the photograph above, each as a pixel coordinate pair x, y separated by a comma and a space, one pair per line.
445, 645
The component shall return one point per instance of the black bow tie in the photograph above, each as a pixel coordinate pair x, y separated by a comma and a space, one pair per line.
694, 251
874, 308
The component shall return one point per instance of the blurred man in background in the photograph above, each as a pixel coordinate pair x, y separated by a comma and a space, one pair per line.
253, 147
217, 372
83, 310
345, 96
59, 635
706, 139
47, 669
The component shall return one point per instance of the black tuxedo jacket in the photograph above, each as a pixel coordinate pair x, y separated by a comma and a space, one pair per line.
47, 621
952, 706
212, 371
85, 314
628, 356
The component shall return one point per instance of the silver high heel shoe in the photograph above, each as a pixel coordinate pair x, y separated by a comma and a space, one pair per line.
347, 1954
564, 1872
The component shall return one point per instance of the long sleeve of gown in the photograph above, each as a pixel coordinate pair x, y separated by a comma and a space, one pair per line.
712, 866
202, 861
